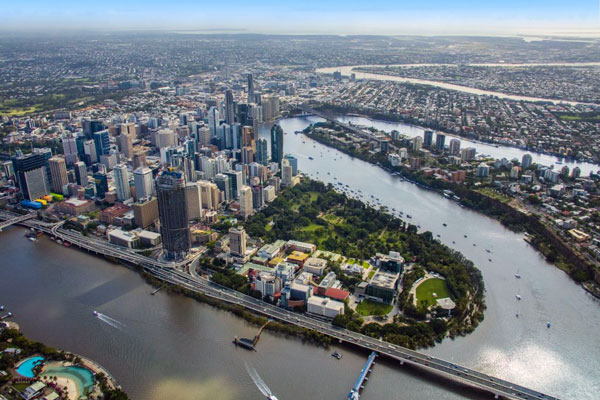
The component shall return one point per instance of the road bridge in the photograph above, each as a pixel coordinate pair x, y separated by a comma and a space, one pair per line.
15, 219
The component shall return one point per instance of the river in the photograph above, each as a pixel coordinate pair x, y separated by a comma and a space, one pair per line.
496, 151
348, 70
174, 347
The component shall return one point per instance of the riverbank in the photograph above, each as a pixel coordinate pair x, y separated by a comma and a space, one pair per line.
286, 330
54, 372
541, 237
386, 117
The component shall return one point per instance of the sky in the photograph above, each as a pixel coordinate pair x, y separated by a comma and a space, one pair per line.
309, 16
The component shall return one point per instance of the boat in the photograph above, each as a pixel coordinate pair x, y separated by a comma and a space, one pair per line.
95, 313
488, 250
517, 276
67, 244
465, 235
445, 224
518, 297
408, 216
31, 239
272, 397
1, 308
489, 259
336, 354
548, 324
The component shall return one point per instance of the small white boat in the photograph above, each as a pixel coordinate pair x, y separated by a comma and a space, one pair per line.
518, 297
548, 324
517, 276
95, 313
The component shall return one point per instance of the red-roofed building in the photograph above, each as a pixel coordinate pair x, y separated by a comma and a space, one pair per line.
336, 294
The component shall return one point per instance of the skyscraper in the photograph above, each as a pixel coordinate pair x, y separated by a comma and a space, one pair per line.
526, 161
293, 162
91, 126
126, 144
142, 180
122, 182
31, 172
276, 144
69, 144
237, 241
428, 139
229, 107
101, 182
81, 173
58, 170
172, 212
235, 181
250, 89
245, 201
213, 121
262, 155
286, 173
193, 201
102, 142
222, 182
440, 142
454, 147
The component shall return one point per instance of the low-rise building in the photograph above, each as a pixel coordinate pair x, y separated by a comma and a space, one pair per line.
272, 250
123, 238
294, 245
325, 307
315, 266
297, 257
383, 286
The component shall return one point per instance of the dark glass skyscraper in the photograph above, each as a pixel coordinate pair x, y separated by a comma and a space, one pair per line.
172, 212
102, 142
276, 144
229, 107
250, 89
262, 156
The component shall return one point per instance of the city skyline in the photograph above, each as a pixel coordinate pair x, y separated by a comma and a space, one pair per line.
432, 17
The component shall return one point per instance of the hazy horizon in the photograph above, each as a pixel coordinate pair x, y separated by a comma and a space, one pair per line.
378, 17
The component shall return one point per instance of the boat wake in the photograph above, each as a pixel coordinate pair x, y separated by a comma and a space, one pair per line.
260, 384
110, 321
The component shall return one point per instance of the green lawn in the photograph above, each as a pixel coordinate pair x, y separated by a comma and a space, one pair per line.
368, 307
311, 228
372, 273
21, 386
426, 289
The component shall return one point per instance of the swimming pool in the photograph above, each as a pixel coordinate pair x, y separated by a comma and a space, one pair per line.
26, 367
83, 378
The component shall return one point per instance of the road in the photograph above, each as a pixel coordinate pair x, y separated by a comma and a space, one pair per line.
179, 274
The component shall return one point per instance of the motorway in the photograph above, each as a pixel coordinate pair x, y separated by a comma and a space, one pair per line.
175, 274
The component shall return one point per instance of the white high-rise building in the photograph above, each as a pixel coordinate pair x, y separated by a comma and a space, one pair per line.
193, 201
143, 182
69, 144
245, 201
121, 177
286, 173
